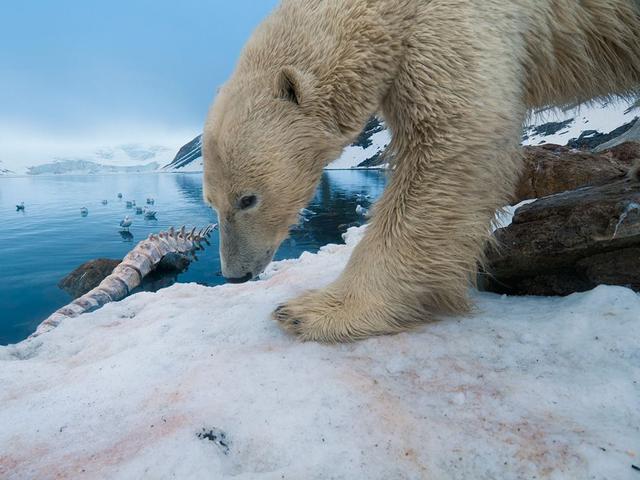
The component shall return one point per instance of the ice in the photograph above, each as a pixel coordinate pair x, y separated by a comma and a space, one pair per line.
199, 382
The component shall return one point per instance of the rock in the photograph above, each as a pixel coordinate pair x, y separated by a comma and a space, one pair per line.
631, 135
173, 263
590, 139
87, 276
551, 169
569, 242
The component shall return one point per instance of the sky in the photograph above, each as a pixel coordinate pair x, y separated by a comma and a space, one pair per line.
84, 72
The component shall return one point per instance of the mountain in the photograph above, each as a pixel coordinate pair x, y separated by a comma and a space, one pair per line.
85, 167
368, 149
80, 158
4, 171
365, 152
585, 126
188, 158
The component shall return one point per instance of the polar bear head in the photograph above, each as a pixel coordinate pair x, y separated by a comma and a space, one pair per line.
265, 143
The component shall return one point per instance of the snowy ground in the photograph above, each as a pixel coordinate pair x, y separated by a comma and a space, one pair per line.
144, 388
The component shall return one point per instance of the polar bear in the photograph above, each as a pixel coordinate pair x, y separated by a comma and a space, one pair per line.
454, 80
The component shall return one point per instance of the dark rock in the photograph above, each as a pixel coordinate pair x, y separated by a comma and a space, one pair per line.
172, 263
631, 135
551, 169
364, 139
376, 160
569, 242
87, 276
548, 128
590, 139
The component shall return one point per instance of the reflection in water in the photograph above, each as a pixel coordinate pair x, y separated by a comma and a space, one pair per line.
190, 186
126, 236
47, 240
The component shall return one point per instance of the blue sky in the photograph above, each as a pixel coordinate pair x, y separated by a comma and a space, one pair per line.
76, 68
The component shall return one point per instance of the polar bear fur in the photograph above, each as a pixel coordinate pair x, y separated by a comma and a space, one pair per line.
454, 80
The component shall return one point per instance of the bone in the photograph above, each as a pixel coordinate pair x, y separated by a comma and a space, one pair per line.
130, 273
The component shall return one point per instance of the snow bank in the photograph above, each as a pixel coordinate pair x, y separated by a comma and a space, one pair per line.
197, 382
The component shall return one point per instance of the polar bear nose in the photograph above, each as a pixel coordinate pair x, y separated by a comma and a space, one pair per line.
243, 279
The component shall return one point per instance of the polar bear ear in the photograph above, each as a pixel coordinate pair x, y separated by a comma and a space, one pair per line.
289, 85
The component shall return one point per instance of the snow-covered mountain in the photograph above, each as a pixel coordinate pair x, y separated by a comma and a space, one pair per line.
85, 167
585, 126
4, 171
365, 152
22, 158
188, 158
368, 149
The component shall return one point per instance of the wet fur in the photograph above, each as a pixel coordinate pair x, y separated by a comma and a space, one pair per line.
454, 81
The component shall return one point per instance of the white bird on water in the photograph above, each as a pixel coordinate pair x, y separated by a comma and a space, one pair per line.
150, 214
126, 222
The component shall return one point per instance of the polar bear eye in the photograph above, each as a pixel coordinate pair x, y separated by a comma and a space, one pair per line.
247, 201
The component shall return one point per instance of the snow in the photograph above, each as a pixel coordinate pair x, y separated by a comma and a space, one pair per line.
147, 387
353, 155
602, 117
505, 215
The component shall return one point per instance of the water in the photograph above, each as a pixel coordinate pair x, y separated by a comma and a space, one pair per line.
39, 246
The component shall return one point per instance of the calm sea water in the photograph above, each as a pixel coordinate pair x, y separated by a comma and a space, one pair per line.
46, 241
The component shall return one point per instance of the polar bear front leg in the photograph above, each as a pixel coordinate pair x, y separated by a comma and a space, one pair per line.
455, 111
420, 251
349, 309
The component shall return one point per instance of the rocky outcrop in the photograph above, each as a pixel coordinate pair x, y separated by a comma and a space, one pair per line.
187, 154
631, 135
590, 139
87, 276
551, 169
90, 274
569, 242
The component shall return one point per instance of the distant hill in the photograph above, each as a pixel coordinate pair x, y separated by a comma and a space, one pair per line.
4, 171
81, 159
85, 167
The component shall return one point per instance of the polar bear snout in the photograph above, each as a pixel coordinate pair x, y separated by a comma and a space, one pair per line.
243, 254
